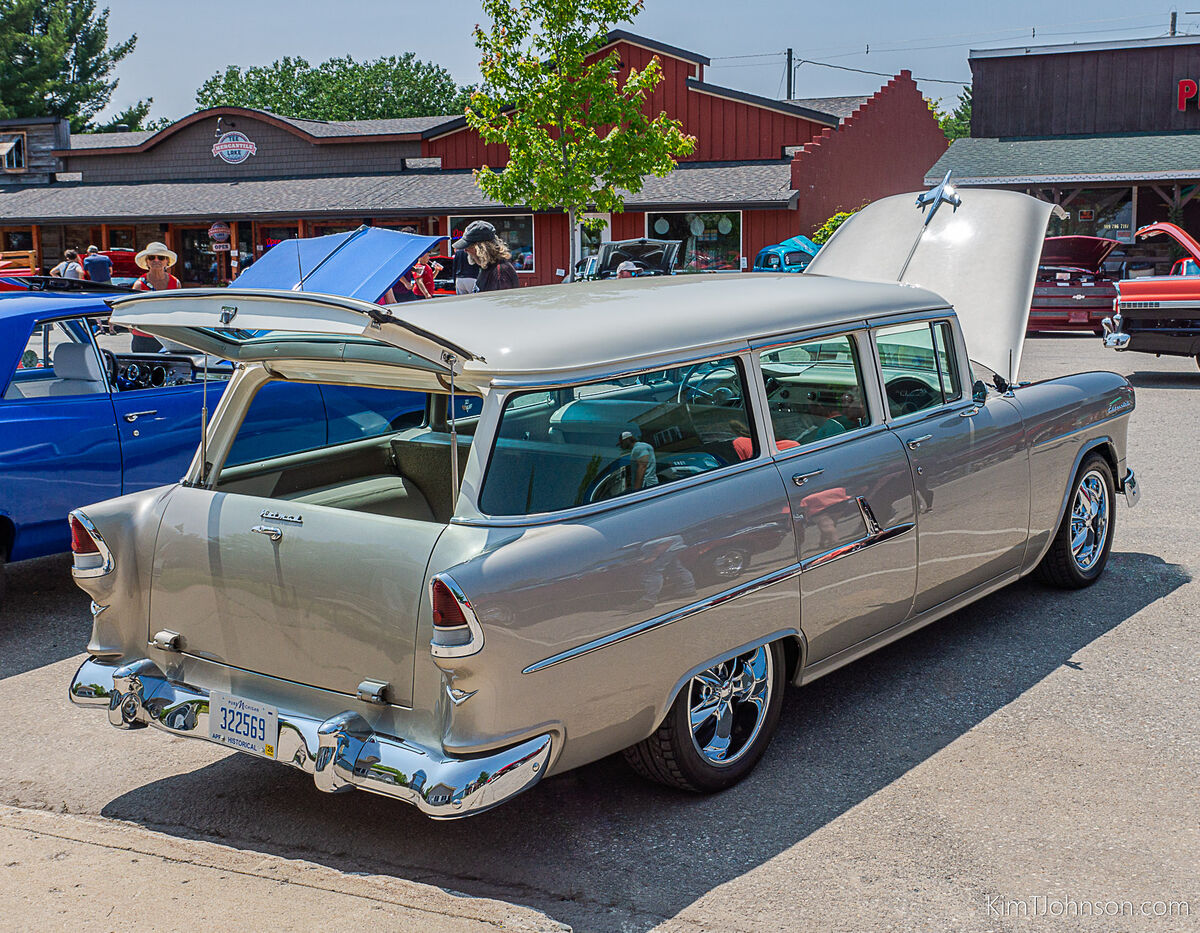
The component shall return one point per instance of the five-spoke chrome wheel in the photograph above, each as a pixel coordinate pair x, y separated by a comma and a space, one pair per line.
1089, 520
727, 705
719, 725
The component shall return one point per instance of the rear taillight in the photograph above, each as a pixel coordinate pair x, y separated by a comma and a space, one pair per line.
81, 541
447, 613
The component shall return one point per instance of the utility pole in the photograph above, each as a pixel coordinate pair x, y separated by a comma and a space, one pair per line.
791, 73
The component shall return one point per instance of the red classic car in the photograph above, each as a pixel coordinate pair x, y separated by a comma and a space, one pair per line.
1159, 314
1072, 291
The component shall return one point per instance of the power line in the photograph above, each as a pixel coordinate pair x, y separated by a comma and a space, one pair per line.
882, 74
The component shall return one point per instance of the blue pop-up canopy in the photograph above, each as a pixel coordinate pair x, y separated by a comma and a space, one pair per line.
363, 263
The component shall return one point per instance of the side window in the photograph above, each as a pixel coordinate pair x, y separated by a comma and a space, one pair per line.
590, 443
59, 359
814, 390
919, 367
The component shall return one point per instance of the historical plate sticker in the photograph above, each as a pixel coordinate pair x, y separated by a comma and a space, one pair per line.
243, 724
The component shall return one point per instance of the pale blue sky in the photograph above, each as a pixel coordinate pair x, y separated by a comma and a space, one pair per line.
180, 44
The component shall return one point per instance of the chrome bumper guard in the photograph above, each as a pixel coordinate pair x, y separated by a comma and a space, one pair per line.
1129, 486
1114, 338
341, 753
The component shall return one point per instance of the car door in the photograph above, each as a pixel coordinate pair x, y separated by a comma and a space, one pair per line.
969, 462
849, 489
58, 437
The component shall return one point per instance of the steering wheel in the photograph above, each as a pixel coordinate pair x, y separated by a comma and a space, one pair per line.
110, 366
908, 394
721, 394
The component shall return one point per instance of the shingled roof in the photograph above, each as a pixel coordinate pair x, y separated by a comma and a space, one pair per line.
840, 107
752, 184
1070, 159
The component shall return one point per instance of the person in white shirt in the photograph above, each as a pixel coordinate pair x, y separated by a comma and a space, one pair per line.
641, 459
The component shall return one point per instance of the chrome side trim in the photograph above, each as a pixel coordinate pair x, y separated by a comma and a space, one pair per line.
474, 642
107, 564
1080, 430
684, 612
854, 547
341, 753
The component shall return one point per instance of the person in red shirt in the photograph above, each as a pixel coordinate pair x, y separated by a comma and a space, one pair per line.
157, 260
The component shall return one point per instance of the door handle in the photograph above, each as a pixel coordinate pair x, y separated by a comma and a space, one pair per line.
134, 415
801, 478
269, 530
916, 442
968, 412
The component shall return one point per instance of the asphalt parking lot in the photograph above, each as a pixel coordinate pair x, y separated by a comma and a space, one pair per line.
1037, 749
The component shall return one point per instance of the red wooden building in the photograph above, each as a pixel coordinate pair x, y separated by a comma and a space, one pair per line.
763, 170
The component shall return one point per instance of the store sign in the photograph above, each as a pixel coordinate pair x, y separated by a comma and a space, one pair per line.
220, 248
1188, 90
219, 232
233, 147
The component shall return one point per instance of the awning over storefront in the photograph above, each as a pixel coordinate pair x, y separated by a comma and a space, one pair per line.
714, 186
1071, 160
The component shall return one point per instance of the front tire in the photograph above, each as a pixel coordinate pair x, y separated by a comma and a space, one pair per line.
719, 725
1080, 549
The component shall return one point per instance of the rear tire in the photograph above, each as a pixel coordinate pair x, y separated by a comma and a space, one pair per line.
719, 725
1079, 551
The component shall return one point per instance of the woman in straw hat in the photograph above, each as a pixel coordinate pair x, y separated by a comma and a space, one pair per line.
156, 259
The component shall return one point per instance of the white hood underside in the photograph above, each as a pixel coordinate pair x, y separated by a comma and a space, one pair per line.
981, 257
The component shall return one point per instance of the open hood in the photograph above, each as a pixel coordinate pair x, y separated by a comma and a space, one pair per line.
653, 257
802, 243
1178, 234
362, 263
979, 250
1077, 252
253, 325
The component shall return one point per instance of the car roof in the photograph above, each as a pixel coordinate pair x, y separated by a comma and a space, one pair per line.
611, 323
15, 304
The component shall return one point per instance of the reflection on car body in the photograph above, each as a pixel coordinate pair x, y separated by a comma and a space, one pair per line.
473, 600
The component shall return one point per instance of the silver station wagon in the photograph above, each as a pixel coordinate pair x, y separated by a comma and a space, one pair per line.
631, 512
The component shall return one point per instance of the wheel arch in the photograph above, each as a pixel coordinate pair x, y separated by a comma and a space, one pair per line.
1106, 448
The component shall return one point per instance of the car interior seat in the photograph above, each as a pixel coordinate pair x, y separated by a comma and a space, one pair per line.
76, 370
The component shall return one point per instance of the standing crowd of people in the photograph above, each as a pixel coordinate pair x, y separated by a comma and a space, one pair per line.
94, 266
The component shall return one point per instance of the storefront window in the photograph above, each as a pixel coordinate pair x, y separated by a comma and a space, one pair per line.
18, 240
1106, 212
269, 236
516, 231
197, 261
121, 238
711, 241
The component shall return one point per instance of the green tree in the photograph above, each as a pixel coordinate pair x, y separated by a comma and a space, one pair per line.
957, 123
825, 231
55, 59
338, 89
133, 117
577, 138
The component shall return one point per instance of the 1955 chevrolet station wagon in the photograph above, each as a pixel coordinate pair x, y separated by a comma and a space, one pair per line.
673, 497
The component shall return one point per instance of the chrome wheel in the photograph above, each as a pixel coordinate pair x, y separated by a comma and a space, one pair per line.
727, 706
1089, 520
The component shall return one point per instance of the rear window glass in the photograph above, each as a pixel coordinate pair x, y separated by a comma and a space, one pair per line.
589, 443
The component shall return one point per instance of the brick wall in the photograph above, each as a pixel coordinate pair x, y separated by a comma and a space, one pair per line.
187, 154
885, 147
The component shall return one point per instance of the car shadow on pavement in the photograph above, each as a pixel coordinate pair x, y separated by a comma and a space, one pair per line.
44, 616
1149, 379
600, 849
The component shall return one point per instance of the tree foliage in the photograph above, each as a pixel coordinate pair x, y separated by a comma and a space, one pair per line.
55, 59
577, 136
133, 117
826, 230
338, 89
957, 123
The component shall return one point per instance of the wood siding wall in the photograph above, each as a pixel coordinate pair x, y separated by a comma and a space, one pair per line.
725, 130
41, 139
1106, 91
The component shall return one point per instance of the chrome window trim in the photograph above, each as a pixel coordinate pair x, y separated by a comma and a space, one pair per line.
763, 344
963, 401
565, 380
743, 357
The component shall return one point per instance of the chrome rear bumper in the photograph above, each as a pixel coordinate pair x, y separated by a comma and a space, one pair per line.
341, 753
1129, 486
1114, 337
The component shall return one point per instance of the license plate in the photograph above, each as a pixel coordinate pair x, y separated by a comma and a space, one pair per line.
1077, 317
243, 724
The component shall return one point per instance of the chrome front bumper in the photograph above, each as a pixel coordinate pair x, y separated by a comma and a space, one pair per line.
341, 753
1114, 338
1129, 486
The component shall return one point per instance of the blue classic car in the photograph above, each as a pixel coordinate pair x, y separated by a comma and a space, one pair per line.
83, 418
792, 255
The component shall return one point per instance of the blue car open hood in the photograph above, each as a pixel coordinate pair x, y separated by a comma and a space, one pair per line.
362, 264
802, 243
